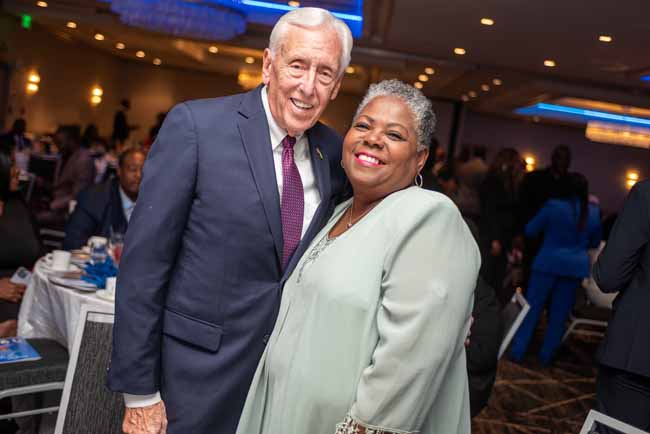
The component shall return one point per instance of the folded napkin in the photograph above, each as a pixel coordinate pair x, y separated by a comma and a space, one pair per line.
98, 273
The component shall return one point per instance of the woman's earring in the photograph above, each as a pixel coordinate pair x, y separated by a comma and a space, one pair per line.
419, 180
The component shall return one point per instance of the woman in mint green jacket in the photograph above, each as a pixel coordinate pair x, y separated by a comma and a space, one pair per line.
369, 338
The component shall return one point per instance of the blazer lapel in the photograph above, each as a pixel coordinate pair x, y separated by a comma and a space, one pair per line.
254, 131
320, 166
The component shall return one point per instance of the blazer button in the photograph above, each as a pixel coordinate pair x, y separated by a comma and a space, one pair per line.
266, 339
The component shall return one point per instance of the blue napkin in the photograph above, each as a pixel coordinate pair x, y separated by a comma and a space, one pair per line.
98, 273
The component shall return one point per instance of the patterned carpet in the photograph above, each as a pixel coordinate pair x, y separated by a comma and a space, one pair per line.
529, 398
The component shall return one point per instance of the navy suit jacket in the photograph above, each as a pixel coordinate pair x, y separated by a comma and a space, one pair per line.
624, 266
99, 209
564, 249
200, 279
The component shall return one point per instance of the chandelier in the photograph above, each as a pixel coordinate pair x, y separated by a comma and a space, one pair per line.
213, 20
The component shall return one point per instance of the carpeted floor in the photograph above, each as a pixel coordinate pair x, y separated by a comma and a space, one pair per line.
529, 398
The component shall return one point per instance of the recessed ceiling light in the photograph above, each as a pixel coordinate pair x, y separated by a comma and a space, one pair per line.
120, 46
497, 82
140, 54
487, 21
41, 4
549, 63
213, 49
250, 60
464, 97
423, 77
350, 70
99, 37
472, 94
157, 61
485, 87
459, 51
605, 38
418, 85
71, 25
429, 70
294, 4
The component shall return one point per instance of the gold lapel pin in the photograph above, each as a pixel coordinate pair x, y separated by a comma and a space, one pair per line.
320, 154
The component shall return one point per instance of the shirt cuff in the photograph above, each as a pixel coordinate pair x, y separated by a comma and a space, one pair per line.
135, 401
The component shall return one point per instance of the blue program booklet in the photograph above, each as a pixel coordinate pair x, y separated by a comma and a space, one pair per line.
16, 350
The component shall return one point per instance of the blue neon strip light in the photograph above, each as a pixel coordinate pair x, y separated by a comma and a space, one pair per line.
645, 78
584, 113
280, 7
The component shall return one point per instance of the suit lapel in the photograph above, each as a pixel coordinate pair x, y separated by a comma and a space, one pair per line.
321, 168
254, 131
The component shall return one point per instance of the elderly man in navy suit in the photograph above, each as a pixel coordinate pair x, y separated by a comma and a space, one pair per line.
234, 189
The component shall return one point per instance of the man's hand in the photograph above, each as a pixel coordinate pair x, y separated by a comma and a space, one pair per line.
10, 291
145, 420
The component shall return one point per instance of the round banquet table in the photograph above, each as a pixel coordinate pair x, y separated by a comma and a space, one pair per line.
52, 311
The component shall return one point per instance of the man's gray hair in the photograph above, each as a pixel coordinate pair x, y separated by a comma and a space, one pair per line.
309, 18
420, 106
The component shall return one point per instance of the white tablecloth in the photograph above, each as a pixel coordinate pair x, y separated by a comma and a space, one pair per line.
52, 311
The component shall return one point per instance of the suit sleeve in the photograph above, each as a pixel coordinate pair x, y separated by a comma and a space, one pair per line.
152, 242
619, 260
422, 320
535, 226
80, 226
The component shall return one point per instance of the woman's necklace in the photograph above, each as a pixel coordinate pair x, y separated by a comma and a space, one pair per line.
352, 221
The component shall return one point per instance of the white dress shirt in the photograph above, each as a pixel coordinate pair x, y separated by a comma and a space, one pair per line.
127, 205
301, 156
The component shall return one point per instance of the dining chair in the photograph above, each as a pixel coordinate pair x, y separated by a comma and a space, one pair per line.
512, 316
594, 419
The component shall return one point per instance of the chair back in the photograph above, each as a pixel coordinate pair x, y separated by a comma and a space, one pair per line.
87, 406
596, 419
512, 315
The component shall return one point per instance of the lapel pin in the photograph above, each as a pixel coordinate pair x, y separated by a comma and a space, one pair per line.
320, 154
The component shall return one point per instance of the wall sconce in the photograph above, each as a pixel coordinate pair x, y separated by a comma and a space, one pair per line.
248, 79
530, 163
96, 95
32, 83
631, 178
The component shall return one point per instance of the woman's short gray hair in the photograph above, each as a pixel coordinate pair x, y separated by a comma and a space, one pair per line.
420, 106
310, 18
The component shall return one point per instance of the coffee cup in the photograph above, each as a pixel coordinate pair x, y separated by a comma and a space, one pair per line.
58, 260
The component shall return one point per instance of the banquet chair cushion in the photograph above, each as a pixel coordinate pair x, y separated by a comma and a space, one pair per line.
49, 369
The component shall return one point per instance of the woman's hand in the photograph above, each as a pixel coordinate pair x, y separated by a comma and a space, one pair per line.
10, 291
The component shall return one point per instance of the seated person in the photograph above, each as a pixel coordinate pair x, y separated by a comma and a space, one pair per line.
20, 246
106, 208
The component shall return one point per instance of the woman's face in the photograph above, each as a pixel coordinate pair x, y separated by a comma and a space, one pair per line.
380, 150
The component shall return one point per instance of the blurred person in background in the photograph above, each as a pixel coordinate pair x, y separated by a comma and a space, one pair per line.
121, 127
15, 141
570, 225
499, 195
623, 384
105, 209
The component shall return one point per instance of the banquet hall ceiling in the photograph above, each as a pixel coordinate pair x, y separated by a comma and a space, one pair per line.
402, 37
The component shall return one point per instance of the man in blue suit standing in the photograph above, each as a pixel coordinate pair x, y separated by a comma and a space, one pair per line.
234, 189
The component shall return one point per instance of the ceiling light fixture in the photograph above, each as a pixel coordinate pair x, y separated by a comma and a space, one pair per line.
429, 70
213, 49
157, 61
472, 94
140, 54
485, 87
294, 4
460, 51
423, 77
464, 97
71, 25
549, 63
497, 82
99, 37
250, 60
605, 38
41, 4
120, 46
34, 78
487, 21
418, 85
350, 70
31, 88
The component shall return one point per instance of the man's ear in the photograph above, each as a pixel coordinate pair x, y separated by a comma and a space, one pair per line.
267, 65
337, 86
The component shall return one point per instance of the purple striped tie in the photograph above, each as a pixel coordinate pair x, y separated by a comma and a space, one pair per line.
293, 201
